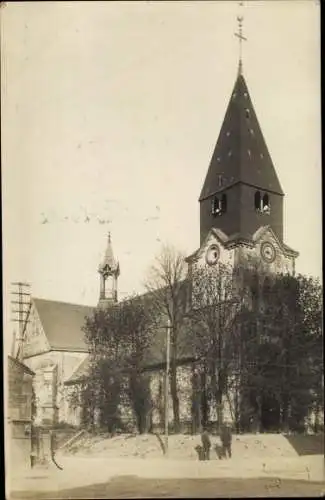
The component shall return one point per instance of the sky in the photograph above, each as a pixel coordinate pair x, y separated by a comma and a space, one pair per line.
110, 114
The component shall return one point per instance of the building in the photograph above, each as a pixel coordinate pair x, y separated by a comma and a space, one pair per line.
241, 221
19, 413
54, 346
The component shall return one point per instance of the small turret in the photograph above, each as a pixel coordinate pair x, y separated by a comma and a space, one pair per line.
109, 271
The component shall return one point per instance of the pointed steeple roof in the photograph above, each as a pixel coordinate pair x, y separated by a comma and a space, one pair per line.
241, 154
109, 262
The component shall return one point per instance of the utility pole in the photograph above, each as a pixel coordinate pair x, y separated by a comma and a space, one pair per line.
21, 313
167, 384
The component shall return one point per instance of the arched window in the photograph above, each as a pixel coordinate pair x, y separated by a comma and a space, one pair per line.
257, 200
247, 113
266, 203
262, 203
224, 203
215, 206
219, 205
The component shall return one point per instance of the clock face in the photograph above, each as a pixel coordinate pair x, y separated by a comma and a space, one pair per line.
212, 255
268, 252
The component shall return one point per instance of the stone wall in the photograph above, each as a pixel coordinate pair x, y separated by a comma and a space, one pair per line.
51, 370
281, 264
19, 414
188, 390
157, 388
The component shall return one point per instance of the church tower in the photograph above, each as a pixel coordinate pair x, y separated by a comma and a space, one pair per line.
241, 201
241, 191
109, 271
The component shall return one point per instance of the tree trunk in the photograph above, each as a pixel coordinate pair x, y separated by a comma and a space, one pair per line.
218, 397
316, 421
174, 395
218, 387
285, 413
204, 400
161, 403
195, 401
259, 412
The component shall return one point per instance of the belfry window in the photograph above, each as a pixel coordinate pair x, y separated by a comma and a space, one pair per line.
224, 202
216, 206
257, 201
262, 203
219, 205
266, 204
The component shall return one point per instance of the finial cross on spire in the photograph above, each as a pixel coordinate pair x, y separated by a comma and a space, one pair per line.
241, 38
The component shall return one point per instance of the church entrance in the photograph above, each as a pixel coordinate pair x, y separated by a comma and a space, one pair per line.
270, 414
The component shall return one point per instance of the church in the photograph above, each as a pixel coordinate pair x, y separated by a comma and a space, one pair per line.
241, 219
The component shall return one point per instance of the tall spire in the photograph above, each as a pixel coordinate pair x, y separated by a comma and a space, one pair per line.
241, 37
241, 173
109, 261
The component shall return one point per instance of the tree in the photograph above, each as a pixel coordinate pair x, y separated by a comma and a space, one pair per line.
281, 344
118, 338
168, 294
214, 310
138, 323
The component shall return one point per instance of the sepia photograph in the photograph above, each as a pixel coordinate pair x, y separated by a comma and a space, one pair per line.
162, 249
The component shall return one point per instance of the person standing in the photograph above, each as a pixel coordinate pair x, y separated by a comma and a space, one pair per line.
226, 439
206, 443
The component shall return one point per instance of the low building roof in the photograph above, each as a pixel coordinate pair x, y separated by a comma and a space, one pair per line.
80, 373
62, 323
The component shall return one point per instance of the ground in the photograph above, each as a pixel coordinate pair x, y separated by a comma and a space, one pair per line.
134, 487
262, 465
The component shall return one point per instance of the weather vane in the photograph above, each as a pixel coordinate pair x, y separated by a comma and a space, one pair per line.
241, 38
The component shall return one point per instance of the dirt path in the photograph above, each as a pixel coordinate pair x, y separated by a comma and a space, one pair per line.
83, 472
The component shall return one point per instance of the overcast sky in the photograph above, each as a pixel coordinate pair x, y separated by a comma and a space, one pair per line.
111, 111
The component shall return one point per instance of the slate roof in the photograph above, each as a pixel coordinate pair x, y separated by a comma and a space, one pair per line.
80, 373
241, 154
62, 323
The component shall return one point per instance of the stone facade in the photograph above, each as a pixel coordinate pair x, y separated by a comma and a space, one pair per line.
52, 369
188, 392
185, 394
19, 413
284, 261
